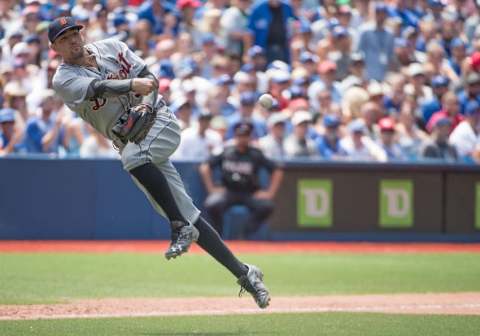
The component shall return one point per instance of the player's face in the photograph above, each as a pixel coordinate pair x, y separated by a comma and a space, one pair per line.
69, 45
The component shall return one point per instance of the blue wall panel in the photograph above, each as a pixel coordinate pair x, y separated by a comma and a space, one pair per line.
79, 199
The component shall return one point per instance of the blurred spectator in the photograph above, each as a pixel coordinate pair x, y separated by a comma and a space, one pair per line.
234, 24
387, 140
370, 113
268, 23
341, 51
141, 38
406, 57
240, 165
217, 102
182, 110
299, 144
356, 76
328, 144
327, 71
438, 147
450, 109
353, 100
471, 90
15, 98
377, 43
10, 136
205, 56
396, 96
417, 87
97, 146
43, 133
199, 141
360, 147
410, 136
159, 14
272, 144
465, 136
436, 58
325, 103
187, 24
439, 88
245, 114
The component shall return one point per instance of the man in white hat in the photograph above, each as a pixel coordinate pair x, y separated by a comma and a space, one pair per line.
298, 144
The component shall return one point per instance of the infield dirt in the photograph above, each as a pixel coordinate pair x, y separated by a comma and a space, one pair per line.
446, 303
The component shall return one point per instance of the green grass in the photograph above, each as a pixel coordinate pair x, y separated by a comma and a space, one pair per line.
56, 277
338, 324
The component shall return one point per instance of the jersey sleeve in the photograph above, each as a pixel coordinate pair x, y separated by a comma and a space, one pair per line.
73, 88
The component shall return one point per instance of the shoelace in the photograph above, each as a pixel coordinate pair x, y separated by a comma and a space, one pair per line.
243, 287
182, 236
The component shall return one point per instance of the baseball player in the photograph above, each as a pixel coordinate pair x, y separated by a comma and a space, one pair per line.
112, 89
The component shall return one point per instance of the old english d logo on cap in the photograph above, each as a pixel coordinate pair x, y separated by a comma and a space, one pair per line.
63, 21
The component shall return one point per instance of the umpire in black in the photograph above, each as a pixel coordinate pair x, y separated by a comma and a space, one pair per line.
240, 164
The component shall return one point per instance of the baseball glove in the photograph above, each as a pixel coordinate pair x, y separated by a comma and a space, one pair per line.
134, 125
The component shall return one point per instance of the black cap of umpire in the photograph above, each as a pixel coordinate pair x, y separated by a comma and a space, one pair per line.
60, 26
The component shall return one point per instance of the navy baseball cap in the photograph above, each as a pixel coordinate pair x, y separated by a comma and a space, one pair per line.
473, 107
381, 7
223, 80
458, 42
436, 3
247, 67
339, 32
440, 81
400, 42
60, 26
307, 56
255, 50
331, 121
248, 98
7, 115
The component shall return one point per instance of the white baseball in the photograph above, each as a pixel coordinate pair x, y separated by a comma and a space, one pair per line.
266, 100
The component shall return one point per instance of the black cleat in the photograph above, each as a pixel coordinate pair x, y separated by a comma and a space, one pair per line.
183, 235
252, 282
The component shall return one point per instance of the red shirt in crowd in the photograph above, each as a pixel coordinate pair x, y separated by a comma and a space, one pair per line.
456, 119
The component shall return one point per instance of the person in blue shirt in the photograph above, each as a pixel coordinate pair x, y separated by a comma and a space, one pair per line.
10, 136
408, 14
471, 90
269, 24
377, 44
247, 104
439, 86
458, 49
328, 144
43, 134
156, 12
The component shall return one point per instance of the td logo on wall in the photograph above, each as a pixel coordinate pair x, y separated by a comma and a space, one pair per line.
396, 203
314, 203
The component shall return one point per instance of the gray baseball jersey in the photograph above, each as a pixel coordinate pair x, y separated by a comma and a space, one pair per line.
115, 61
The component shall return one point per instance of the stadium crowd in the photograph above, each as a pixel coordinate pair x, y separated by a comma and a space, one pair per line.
352, 79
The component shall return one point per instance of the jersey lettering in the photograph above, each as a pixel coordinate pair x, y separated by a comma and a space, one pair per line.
98, 103
126, 66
